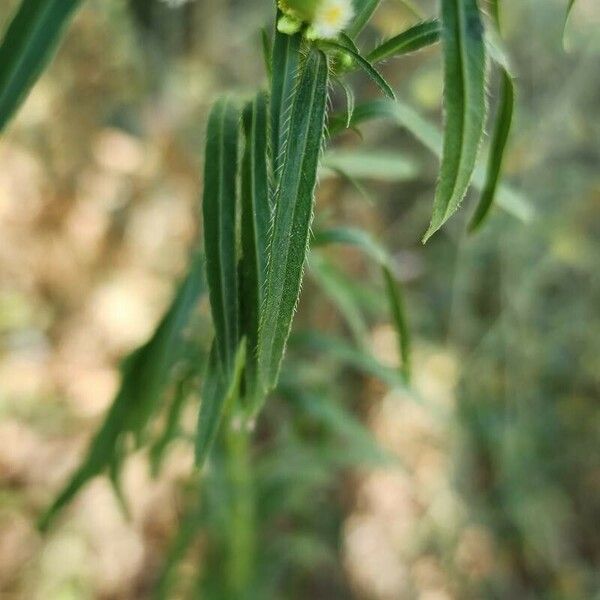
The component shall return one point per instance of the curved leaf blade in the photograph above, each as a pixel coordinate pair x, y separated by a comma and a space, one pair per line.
219, 211
497, 147
28, 45
415, 38
294, 200
464, 103
364, 10
256, 218
363, 63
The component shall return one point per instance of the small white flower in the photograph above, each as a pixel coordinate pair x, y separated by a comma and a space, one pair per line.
331, 17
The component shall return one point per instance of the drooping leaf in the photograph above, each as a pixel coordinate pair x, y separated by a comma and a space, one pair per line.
415, 38
28, 45
570, 6
363, 63
497, 146
362, 240
219, 211
256, 217
405, 116
400, 320
294, 200
219, 392
145, 375
464, 104
363, 11
327, 278
286, 59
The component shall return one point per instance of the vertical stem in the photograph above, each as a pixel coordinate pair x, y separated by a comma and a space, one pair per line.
242, 530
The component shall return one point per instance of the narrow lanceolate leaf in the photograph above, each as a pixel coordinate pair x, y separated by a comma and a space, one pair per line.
294, 200
28, 45
417, 37
364, 242
363, 63
464, 104
398, 313
497, 148
285, 60
570, 6
219, 392
219, 211
364, 10
145, 375
256, 217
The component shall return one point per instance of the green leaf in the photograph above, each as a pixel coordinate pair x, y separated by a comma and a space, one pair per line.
294, 200
27, 47
570, 6
267, 52
464, 104
364, 10
219, 392
256, 218
350, 100
415, 38
428, 134
145, 375
286, 59
327, 277
497, 148
363, 63
219, 211
396, 302
362, 240
371, 164
354, 237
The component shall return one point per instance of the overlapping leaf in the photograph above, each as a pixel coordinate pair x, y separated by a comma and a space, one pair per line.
256, 218
219, 211
285, 61
293, 213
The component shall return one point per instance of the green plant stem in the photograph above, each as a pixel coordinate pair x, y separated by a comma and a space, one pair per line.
242, 530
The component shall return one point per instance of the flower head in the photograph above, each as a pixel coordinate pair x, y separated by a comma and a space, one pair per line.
331, 17
325, 18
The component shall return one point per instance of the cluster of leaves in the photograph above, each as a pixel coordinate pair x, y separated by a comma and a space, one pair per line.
261, 168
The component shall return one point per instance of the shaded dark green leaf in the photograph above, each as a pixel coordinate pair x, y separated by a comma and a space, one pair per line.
28, 45
145, 375
219, 211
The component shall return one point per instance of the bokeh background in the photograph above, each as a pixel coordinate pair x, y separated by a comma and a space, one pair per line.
489, 487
